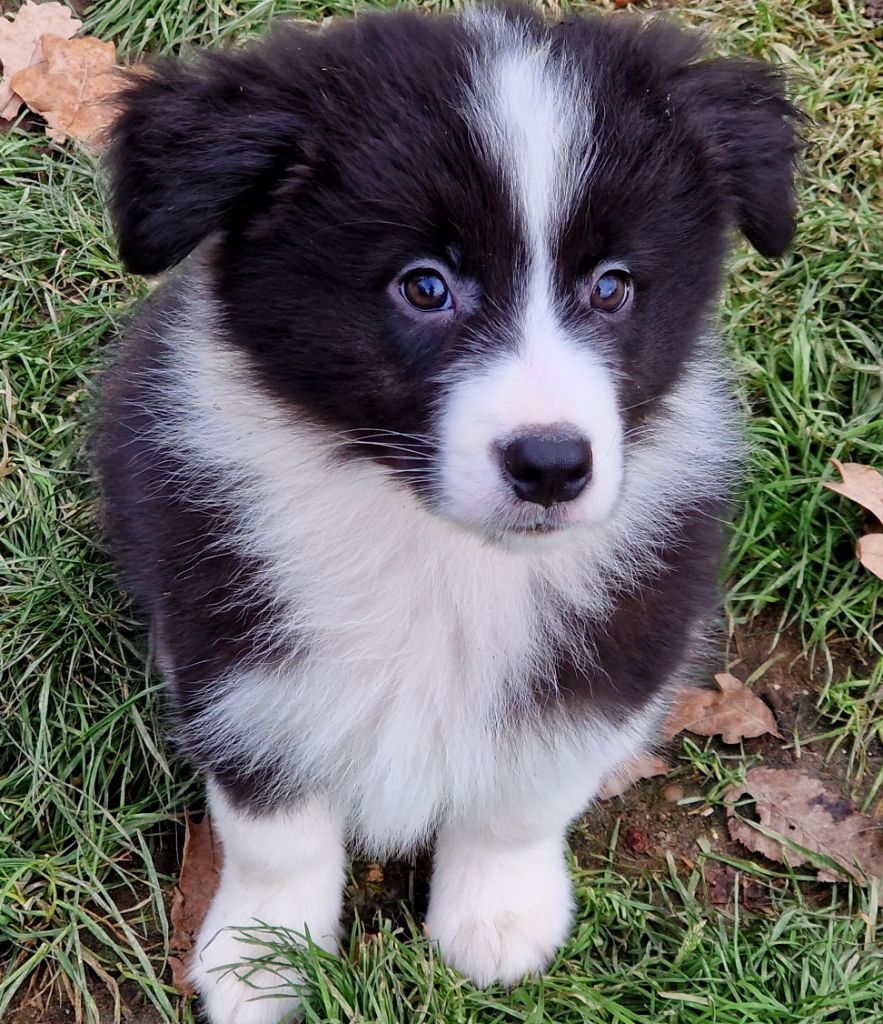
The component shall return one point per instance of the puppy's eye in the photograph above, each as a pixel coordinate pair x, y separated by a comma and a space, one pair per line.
425, 289
611, 291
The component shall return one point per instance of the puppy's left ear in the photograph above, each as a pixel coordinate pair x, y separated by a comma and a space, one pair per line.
741, 116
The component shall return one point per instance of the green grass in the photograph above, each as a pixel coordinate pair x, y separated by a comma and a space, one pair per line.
643, 952
88, 799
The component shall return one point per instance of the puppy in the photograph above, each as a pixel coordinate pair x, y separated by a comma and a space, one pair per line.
417, 464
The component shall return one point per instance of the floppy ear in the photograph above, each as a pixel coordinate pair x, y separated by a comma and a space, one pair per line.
742, 118
194, 146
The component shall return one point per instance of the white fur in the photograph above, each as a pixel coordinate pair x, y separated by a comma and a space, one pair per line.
499, 911
284, 870
547, 382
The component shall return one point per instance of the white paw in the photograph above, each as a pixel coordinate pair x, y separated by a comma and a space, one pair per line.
498, 915
231, 992
232, 988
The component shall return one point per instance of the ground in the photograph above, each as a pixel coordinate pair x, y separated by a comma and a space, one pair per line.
676, 922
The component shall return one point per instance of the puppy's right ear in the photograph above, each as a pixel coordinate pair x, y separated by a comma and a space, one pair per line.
194, 144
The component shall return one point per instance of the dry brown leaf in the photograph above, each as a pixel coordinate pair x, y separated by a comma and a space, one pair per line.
861, 484
73, 88
736, 713
802, 809
200, 872
733, 712
869, 550
690, 705
21, 44
641, 766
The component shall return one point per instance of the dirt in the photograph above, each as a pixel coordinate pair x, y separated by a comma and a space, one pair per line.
47, 1010
649, 822
652, 827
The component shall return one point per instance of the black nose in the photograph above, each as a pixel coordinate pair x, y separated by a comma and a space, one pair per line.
547, 470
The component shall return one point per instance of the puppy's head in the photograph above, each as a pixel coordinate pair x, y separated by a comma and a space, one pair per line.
477, 250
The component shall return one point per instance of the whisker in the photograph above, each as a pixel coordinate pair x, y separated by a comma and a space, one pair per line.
381, 431
417, 453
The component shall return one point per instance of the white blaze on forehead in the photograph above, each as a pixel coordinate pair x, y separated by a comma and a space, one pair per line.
534, 118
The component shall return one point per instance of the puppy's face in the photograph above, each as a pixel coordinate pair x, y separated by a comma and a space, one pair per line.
477, 251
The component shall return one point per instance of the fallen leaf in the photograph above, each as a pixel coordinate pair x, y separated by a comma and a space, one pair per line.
21, 44
641, 766
73, 88
861, 484
736, 713
794, 808
200, 872
869, 550
690, 705
733, 712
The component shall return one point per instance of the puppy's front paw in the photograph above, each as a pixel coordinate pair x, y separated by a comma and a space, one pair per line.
497, 915
234, 992
225, 971
501, 947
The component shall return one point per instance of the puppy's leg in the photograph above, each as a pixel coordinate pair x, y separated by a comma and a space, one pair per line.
499, 910
283, 869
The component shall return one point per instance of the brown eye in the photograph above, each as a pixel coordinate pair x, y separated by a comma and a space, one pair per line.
611, 291
425, 289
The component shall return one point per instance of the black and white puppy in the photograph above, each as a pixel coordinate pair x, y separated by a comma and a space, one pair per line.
418, 463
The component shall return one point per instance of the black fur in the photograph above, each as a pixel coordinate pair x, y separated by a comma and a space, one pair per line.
647, 637
334, 157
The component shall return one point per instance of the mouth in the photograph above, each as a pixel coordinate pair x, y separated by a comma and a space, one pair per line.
536, 528
537, 523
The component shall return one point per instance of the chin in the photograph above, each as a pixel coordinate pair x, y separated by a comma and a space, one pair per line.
416, 459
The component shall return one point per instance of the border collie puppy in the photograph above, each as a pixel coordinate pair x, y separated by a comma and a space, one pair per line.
418, 463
